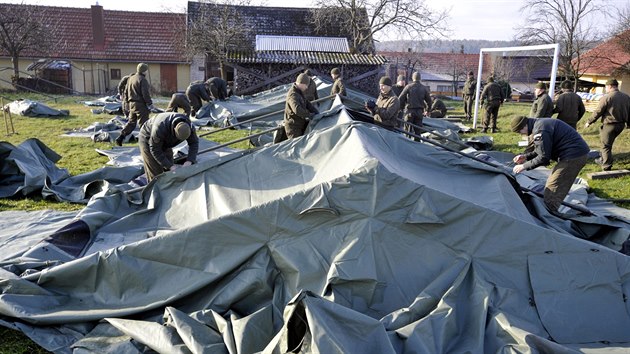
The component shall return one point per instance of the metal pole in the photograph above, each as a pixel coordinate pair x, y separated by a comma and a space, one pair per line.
259, 118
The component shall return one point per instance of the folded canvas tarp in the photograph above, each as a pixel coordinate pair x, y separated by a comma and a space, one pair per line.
30, 108
31, 167
350, 239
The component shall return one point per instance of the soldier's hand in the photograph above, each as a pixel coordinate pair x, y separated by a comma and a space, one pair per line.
187, 163
518, 159
174, 167
518, 169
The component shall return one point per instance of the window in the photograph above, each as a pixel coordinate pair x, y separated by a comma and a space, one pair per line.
115, 74
444, 88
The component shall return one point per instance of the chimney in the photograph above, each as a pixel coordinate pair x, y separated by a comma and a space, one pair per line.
98, 27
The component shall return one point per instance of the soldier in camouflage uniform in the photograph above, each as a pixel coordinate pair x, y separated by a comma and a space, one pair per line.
217, 87
311, 92
469, 95
297, 109
338, 88
387, 105
197, 92
569, 105
415, 98
138, 95
179, 100
122, 85
438, 108
614, 110
543, 105
492, 94
400, 85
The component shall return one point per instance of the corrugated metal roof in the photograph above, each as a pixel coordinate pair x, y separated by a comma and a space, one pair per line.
298, 57
48, 64
304, 44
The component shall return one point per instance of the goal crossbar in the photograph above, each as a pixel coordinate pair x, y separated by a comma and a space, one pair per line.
554, 68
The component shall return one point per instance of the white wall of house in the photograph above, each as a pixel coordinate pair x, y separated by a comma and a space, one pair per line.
198, 68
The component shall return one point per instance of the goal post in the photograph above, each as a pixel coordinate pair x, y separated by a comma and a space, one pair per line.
554, 68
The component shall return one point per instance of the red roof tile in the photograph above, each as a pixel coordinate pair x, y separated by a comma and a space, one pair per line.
129, 36
607, 57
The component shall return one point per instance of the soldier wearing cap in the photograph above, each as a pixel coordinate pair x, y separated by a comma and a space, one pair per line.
569, 105
338, 88
542, 107
157, 138
468, 93
297, 109
386, 109
493, 95
400, 85
179, 100
311, 91
415, 98
137, 93
614, 110
553, 140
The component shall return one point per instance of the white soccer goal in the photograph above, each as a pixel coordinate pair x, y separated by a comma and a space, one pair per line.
554, 68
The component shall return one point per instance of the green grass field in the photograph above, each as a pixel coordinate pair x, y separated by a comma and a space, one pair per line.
79, 156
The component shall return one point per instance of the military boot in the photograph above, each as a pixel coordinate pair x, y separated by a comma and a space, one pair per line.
119, 140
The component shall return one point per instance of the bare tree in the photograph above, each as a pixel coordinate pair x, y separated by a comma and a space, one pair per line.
568, 22
363, 19
26, 29
216, 29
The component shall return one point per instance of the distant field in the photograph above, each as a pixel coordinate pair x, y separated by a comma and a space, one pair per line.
79, 156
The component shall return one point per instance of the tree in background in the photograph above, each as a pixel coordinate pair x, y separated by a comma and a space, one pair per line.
26, 29
568, 22
622, 37
364, 19
216, 29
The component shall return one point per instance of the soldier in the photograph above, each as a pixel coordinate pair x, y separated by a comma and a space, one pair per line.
123, 95
338, 88
400, 85
197, 92
469, 95
217, 87
614, 110
311, 90
139, 97
158, 137
179, 100
553, 140
297, 109
569, 105
492, 94
385, 111
438, 108
415, 98
543, 105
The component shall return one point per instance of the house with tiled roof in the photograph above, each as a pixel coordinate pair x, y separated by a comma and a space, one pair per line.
610, 59
100, 46
280, 43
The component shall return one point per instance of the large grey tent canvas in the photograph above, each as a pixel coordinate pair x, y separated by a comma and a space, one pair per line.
350, 239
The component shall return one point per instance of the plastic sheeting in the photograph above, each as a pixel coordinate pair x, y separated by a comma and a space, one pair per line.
34, 109
350, 239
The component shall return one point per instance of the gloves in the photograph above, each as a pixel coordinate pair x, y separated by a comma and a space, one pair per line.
187, 163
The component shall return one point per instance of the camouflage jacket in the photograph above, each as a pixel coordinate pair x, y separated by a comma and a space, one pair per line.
386, 110
415, 95
137, 90
542, 107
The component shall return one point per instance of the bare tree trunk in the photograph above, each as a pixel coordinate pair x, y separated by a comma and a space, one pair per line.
16, 69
